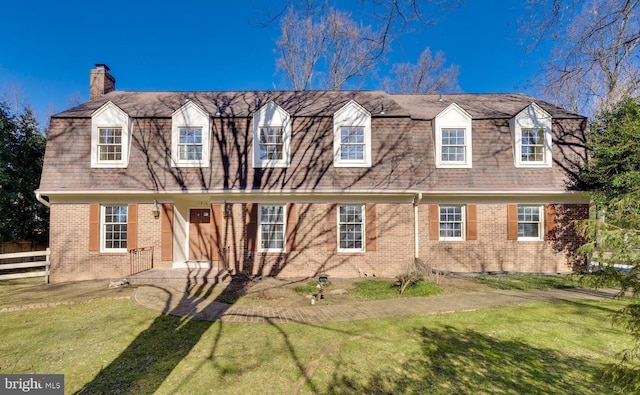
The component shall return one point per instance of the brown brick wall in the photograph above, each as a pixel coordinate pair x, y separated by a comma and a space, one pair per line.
71, 259
492, 252
394, 247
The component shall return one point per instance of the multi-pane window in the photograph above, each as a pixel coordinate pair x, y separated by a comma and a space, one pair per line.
352, 143
109, 144
451, 222
453, 146
114, 223
532, 146
529, 222
271, 143
272, 223
351, 227
190, 143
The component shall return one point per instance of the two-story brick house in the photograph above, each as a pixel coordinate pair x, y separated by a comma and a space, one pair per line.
293, 183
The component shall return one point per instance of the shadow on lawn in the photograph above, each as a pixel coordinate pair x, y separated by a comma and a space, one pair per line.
455, 361
145, 364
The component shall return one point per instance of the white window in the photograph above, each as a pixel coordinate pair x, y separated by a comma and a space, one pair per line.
351, 228
452, 223
453, 138
352, 143
271, 137
110, 137
109, 144
352, 136
531, 130
114, 228
453, 146
272, 227
190, 136
271, 141
190, 144
532, 148
530, 224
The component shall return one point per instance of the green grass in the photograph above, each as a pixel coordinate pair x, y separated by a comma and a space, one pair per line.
527, 281
113, 346
309, 288
384, 289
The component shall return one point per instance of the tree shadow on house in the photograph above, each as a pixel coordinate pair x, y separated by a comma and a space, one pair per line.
144, 365
453, 361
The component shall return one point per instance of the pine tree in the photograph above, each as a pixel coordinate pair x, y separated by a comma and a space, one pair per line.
613, 177
22, 146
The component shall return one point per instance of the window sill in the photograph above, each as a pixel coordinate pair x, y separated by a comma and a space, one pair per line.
533, 165
351, 164
109, 165
453, 165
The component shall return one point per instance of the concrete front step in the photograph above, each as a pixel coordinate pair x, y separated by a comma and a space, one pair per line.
200, 275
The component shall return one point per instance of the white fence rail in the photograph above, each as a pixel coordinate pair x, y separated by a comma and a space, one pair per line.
25, 265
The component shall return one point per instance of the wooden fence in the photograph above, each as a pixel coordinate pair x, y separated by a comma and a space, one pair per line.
25, 260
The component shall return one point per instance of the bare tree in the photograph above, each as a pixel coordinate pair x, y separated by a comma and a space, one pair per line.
428, 75
594, 59
301, 47
331, 42
322, 47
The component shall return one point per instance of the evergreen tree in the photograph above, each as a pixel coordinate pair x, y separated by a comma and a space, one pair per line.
613, 238
22, 146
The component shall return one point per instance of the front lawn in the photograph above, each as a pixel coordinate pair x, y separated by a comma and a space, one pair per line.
113, 346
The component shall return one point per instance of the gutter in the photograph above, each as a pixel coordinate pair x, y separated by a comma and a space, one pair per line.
416, 228
41, 199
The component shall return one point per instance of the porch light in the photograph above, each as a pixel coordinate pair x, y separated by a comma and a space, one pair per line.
155, 210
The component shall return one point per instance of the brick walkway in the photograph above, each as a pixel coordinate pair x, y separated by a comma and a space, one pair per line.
170, 298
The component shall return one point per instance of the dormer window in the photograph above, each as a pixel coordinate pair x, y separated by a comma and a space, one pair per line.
190, 144
352, 143
110, 137
271, 141
531, 130
453, 138
271, 137
532, 147
190, 137
109, 144
352, 136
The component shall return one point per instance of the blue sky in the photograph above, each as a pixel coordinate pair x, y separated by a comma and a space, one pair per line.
218, 45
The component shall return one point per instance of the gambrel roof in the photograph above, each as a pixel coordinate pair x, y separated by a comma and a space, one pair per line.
402, 145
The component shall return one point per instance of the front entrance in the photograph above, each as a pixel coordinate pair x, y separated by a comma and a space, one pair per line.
201, 234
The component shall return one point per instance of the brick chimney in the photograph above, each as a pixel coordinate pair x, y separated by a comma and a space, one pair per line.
101, 81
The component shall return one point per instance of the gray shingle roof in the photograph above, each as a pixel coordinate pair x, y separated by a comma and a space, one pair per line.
314, 103
239, 104
479, 106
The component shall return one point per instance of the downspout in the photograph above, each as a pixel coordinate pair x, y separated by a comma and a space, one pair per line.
41, 199
416, 228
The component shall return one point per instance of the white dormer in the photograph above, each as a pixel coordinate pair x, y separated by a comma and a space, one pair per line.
190, 136
531, 130
453, 138
110, 137
352, 136
271, 136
